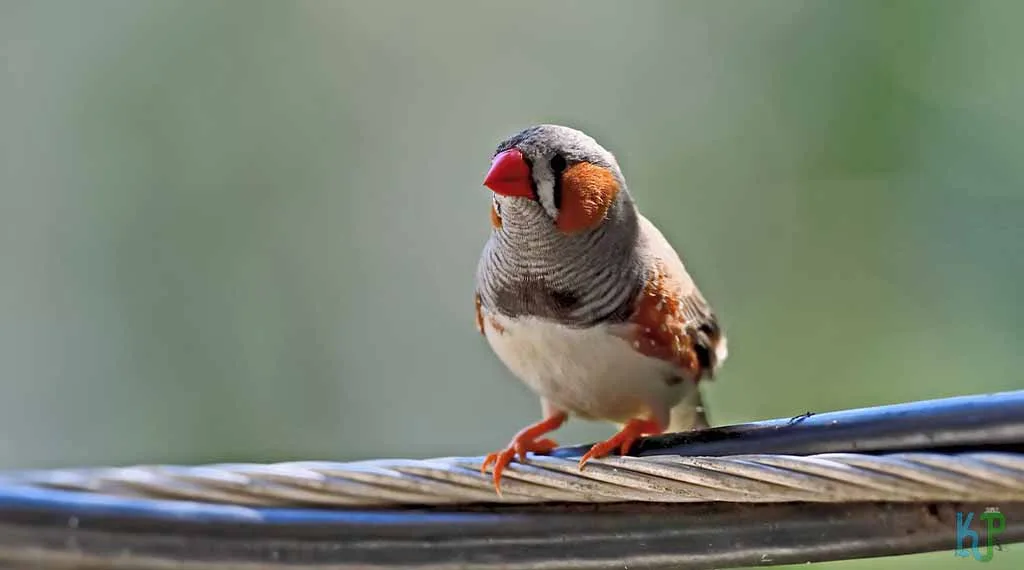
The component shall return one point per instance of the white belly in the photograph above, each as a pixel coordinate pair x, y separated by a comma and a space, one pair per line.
589, 372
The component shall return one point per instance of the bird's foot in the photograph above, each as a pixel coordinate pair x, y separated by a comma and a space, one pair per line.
632, 431
526, 441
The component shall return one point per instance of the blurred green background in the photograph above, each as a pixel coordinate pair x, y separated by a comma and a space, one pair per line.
247, 230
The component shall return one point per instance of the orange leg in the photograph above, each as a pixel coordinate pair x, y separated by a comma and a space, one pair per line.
623, 440
524, 442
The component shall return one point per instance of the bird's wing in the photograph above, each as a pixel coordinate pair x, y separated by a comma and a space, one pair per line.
671, 319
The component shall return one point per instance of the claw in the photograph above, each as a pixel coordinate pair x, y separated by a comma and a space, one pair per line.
627, 436
524, 442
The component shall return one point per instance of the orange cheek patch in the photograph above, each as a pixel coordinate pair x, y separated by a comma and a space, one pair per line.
588, 191
495, 218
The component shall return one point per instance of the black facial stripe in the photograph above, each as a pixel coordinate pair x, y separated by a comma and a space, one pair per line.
558, 166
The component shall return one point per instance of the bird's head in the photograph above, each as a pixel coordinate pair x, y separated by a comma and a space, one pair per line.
558, 172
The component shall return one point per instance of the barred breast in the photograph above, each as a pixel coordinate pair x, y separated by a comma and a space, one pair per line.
529, 269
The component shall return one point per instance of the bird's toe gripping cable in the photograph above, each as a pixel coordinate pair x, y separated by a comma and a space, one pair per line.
528, 440
632, 431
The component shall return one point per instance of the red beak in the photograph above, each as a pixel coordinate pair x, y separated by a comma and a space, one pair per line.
509, 175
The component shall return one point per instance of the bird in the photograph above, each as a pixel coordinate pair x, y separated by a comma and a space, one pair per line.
585, 301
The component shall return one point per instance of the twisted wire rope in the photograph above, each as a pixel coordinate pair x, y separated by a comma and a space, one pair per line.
751, 478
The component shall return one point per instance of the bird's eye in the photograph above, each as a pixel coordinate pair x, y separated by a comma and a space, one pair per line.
558, 164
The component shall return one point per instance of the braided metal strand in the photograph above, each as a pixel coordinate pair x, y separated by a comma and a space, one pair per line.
758, 478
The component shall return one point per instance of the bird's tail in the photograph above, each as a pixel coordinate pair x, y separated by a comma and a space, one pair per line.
689, 413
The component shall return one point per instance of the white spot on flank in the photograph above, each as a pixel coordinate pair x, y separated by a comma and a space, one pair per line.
721, 351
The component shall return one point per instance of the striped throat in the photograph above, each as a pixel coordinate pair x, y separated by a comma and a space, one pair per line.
531, 268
